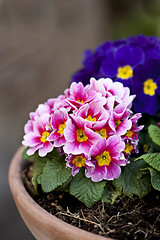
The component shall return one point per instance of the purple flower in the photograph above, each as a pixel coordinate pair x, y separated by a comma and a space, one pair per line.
120, 60
150, 45
146, 86
121, 63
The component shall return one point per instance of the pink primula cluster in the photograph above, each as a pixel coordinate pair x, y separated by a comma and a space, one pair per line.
93, 126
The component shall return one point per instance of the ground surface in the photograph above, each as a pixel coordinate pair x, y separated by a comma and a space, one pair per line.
128, 218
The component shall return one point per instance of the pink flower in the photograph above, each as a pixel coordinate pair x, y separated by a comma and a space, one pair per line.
119, 121
132, 132
130, 137
78, 95
76, 162
79, 137
92, 114
104, 130
57, 103
108, 88
37, 138
58, 123
90, 125
105, 159
41, 109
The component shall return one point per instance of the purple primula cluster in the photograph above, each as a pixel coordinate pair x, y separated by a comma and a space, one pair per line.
135, 62
92, 126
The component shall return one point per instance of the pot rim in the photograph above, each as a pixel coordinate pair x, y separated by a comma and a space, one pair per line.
23, 200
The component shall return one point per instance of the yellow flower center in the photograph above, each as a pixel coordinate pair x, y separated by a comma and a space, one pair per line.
129, 133
125, 72
79, 161
128, 148
149, 87
44, 136
145, 147
103, 159
80, 101
117, 123
89, 118
61, 128
103, 133
81, 137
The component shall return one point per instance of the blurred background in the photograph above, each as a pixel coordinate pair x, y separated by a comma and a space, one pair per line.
41, 45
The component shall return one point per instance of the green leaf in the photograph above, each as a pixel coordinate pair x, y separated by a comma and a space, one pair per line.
39, 179
65, 186
155, 178
110, 194
38, 170
54, 174
29, 158
85, 189
144, 138
39, 164
133, 180
153, 159
154, 133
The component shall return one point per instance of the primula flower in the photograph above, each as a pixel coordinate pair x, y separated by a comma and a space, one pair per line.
90, 126
120, 65
106, 159
125, 61
92, 114
78, 95
79, 137
41, 109
132, 132
76, 162
57, 103
130, 147
58, 123
147, 87
150, 45
108, 88
104, 130
37, 139
119, 120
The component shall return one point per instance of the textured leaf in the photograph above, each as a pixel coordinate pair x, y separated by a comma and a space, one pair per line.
54, 174
133, 180
85, 189
153, 159
155, 178
154, 133
38, 170
110, 194
64, 187
39, 164
29, 158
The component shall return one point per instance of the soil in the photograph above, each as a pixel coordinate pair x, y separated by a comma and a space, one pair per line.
128, 218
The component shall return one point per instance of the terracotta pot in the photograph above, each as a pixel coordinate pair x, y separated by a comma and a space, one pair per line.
43, 225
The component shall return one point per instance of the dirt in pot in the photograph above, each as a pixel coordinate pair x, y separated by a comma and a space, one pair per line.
128, 218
